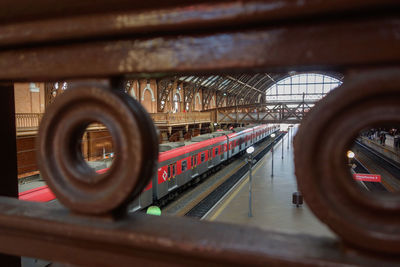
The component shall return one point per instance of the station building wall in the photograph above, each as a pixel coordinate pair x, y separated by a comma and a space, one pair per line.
27, 100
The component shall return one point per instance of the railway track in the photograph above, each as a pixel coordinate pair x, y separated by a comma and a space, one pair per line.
371, 186
390, 169
208, 202
391, 166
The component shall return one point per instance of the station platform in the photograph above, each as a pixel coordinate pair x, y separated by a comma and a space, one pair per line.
22, 187
272, 207
386, 150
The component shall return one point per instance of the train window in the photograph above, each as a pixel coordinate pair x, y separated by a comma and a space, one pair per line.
173, 170
203, 157
191, 161
216, 151
210, 154
195, 160
184, 165
169, 171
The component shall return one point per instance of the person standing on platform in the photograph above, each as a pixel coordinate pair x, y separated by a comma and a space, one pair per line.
397, 141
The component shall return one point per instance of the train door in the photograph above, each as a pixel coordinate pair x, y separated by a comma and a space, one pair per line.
193, 161
222, 152
235, 146
227, 147
172, 183
202, 157
210, 158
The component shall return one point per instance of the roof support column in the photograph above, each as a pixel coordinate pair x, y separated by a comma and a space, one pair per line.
8, 157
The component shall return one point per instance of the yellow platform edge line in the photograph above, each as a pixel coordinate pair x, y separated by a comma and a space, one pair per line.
232, 196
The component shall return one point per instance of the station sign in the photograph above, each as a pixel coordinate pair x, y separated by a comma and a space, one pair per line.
367, 177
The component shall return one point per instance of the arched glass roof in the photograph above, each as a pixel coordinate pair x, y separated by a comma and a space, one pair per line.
307, 86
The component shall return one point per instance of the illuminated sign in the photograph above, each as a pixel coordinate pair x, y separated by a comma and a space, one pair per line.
367, 177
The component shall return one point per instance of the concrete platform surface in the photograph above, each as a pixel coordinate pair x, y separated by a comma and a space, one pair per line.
272, 206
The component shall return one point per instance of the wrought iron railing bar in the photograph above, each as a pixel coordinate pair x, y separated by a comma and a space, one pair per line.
105, 19
264, 49
38, 230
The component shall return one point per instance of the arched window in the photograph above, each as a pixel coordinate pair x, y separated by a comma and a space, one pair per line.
61, 85
197, 102
130, 89
58, 88
307, 86
176, 100
212, 103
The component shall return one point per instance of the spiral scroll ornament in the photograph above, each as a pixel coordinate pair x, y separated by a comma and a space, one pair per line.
363, 219
60, 160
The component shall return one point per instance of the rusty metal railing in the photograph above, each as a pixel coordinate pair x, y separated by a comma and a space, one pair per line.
182, 118
28, 120
31, 121
120, 39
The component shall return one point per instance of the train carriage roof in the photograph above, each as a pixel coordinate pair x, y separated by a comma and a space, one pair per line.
171, 150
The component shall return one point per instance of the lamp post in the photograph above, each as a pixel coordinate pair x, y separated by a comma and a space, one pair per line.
249, 152
283, 140
272, 156
288, 138
290, 131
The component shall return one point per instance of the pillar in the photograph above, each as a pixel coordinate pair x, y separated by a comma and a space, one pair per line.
8, 157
